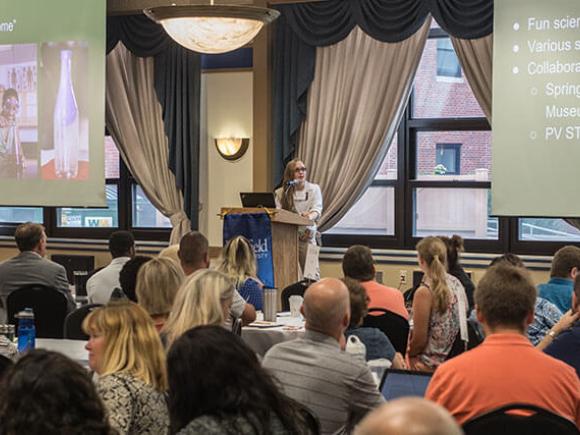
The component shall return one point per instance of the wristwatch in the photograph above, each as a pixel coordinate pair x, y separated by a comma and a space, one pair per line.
552, 334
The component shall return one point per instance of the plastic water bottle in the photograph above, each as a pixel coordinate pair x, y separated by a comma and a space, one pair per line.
26, 330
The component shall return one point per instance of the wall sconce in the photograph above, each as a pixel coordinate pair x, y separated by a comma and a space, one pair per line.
232, 148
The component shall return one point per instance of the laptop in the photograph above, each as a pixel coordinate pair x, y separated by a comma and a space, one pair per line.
258, 199
404, 383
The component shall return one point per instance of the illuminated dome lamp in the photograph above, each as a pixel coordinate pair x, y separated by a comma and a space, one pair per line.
212, 28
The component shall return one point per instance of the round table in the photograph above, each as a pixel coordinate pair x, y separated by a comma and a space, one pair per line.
260, 337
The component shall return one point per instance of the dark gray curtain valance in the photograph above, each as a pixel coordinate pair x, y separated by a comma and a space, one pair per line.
304, 26
177, 85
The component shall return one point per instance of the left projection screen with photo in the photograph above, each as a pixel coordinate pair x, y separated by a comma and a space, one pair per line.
52, 95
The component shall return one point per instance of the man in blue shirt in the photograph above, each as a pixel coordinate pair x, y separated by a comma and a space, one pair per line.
566, 347
565, 265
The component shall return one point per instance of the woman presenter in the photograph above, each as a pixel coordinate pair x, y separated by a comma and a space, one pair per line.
302, 197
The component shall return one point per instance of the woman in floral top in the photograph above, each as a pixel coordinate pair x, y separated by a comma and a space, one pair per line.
126, 352
436, 308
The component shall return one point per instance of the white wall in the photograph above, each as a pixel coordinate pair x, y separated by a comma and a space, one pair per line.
226, 112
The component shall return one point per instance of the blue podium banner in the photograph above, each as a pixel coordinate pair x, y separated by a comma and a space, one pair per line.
255, 227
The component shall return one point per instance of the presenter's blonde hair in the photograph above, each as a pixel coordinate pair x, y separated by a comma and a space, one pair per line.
132, 344
157, 283
199, 301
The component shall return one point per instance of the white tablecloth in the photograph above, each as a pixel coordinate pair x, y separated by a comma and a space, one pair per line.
262, 339
74, 349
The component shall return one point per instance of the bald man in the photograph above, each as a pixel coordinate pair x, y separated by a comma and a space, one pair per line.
409, 416
335, 386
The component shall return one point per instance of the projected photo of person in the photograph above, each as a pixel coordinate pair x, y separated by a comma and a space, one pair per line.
18, 112
64, 124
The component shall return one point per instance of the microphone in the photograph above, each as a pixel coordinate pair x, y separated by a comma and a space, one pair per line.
292, 183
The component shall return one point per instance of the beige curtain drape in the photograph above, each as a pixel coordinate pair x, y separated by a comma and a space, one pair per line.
475, 57
360, 90
134, 119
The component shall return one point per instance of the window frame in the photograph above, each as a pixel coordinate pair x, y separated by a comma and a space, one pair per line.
124, 206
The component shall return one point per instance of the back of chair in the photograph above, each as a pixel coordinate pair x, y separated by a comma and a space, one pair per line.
535, 421
296, 289
459, 345
48, 304
394, 326
73, 323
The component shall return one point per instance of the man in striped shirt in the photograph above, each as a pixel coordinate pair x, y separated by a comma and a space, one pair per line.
336, 386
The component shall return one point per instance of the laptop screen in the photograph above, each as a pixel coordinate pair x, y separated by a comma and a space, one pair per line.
258, 199
403, 383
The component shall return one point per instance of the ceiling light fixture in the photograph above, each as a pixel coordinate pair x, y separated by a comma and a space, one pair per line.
212, 29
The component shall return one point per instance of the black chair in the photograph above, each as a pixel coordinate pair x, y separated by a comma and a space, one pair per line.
48, 304
459, 345
296, 289
73, 263
536, 421
73, 323
395, 327
309, 417
236, 326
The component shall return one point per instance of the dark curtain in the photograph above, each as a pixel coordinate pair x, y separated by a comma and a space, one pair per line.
304, 26
178, 88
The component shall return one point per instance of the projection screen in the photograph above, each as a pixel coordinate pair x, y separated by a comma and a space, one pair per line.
52, 90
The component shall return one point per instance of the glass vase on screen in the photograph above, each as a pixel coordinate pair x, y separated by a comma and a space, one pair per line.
66, 122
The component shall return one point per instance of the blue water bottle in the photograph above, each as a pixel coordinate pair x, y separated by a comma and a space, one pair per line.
26, 330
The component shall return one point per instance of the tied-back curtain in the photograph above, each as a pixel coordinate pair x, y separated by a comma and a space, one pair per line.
360, 90
303, 27
176, 81
134, 120
475, 57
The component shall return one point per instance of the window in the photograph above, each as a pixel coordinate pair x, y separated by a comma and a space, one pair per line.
447, 62
437, 175
127, 208
448, 158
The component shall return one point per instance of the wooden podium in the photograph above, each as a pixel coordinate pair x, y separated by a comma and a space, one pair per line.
284, 241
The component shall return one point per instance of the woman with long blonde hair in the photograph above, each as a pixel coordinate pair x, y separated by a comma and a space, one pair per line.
239, 263
302, 197
157, 283
436, 308
205, 298
126, 352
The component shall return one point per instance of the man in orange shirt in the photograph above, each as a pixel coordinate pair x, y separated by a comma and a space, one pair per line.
505, 368
358, 264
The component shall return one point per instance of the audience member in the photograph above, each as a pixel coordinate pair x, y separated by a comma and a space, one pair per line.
313, 370
376, 342
217, 386
101, 284
239, 262
204, 299
193, 252
566, 344
47, 393
559, 289
128, 278
409, 416
194, 255
30, 267
126, 352
454, 245
172, 251
505, 368
157, 284
358, 264
546, 314
436, 308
